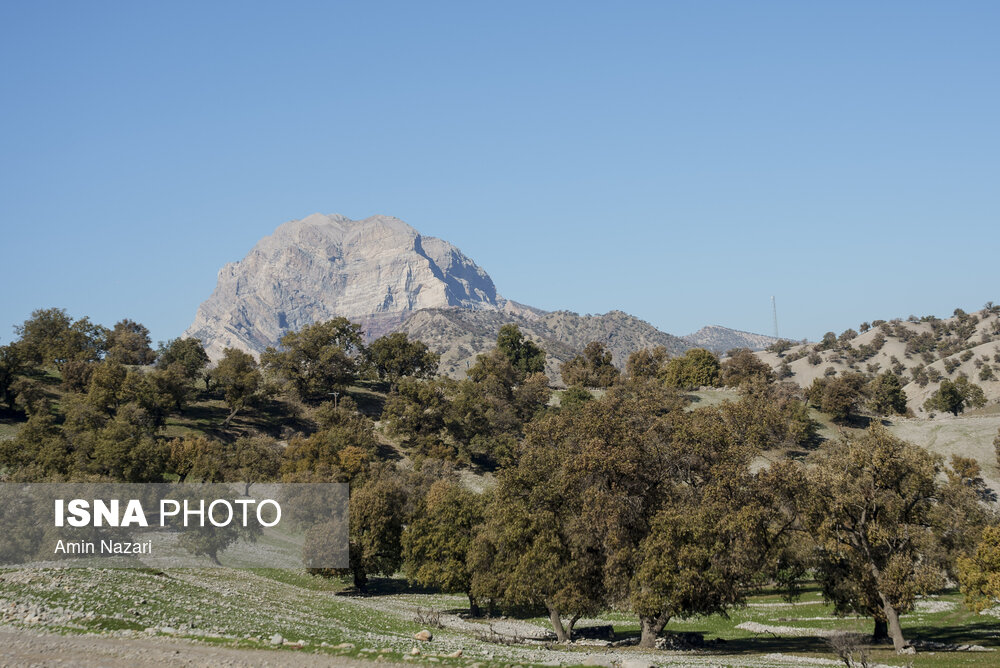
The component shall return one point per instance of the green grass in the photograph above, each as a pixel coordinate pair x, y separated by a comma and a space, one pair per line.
9, 429
711, 397
244, 608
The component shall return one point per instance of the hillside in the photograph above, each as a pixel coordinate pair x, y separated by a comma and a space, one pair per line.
721, 339
921, 351
459, 335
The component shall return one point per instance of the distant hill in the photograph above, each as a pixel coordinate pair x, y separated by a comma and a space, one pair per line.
382, 273
721, 339
460, 335
922, 351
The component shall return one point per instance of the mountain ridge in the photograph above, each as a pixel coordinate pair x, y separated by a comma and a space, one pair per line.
383, 274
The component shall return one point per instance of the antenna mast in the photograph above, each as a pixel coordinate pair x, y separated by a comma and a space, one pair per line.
774, 314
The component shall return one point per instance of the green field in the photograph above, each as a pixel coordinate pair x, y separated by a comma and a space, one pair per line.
234, 608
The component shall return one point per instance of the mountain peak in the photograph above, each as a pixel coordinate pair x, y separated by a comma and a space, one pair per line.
376, 271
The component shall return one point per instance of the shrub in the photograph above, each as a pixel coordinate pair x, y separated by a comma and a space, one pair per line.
742, 365
696, 368
779, 346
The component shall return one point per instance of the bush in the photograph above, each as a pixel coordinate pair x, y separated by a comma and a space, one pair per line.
838, 397
779, 346
591, 369
887, 395
954, 397
698, 367
742, 365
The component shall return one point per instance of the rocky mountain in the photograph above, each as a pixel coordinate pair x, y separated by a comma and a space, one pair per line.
376, 271
384, 274
720, 339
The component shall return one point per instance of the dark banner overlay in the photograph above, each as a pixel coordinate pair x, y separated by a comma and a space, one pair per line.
227, 525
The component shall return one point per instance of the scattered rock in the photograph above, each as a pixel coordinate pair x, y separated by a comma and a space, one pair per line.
415, 651
276, 639
424, 635
947, 647
345, 645
687, 640
454, 655
637, 663
595, 660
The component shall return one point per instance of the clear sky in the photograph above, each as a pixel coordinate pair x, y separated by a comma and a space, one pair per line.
681, 161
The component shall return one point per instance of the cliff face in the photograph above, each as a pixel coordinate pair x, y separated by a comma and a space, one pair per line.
375, 271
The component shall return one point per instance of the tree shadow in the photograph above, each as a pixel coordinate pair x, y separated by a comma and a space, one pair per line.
388, 587
369, 397
11, 416
385, 452
767, 645
483, 463
971, 632
854, 421
44, 376
755, 645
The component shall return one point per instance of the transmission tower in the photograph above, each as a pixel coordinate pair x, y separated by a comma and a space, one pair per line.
774, 314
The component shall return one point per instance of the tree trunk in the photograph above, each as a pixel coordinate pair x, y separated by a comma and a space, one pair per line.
651, 628
880, 636
229, 419
360, 579
895, 630
572, 624
557, 625
474, 607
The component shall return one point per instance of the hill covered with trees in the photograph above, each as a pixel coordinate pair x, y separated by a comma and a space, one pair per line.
627, 492
926, 356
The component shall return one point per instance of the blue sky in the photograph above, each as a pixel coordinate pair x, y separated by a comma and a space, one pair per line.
681, 161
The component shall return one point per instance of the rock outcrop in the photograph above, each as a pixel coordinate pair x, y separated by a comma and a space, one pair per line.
376, 271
